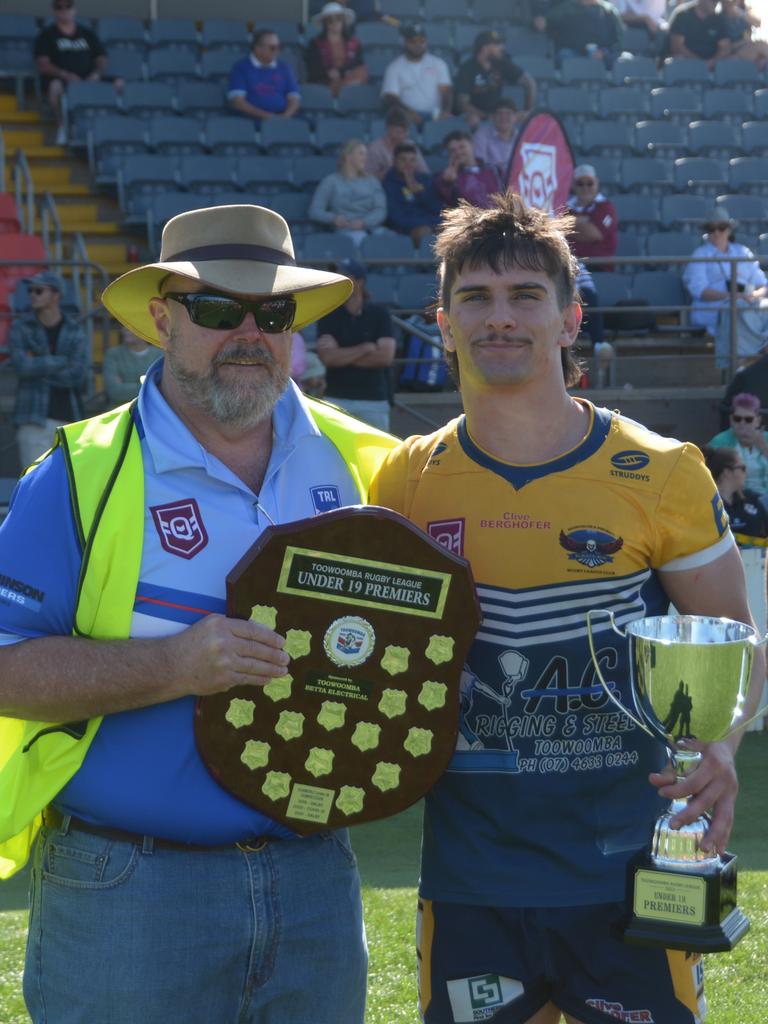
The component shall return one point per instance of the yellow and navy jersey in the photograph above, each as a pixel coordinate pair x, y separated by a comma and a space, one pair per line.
547, 793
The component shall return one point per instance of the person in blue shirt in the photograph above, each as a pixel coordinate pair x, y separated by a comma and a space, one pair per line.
413, 205
159, 896
261, 85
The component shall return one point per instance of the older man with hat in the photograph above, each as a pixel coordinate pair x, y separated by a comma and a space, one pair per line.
709, 285
49, 352
482, 77
417, 81
185, 903
596, 223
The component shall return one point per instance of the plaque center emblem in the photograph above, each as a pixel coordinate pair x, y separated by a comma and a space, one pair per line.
349, 641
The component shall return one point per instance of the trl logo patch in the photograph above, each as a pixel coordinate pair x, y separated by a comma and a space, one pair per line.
449, 533
180, 527
325, 497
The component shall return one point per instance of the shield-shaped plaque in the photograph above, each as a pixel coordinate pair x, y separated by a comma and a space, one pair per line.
378, 619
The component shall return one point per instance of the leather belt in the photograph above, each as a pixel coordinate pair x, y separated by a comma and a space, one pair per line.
55, 819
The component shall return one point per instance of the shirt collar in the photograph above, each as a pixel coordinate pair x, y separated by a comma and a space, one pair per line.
257, 63
172, 446
573, 203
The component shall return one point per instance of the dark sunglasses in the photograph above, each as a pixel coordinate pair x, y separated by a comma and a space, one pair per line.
742, 419
584, 181
739, 465
63, 5
37, 290
719, 227
225, 312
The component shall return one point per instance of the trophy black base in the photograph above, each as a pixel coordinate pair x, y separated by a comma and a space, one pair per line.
693, 911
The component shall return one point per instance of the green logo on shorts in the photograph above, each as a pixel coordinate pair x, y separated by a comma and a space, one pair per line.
484, 991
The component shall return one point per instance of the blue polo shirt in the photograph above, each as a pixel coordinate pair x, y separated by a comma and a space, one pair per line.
142, 772
266, 86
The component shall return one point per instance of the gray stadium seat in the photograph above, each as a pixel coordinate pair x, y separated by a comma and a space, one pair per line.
629, 244
146, 98
562, 100
700, 174
713, 139
173, 33
611, 287
126, 63
140, 177
325, 246
525, 41
160, 209
754, 138
18, 30
309, 170
110, 139
732, 104
215, 65
675, 102
607, 138
640, 211
382, 288
683, 70
287, 31
225, 32
672, 243
751, 210
749, 174
388, 245
660, 138
286, 136
734, 73
416, 291
762, 245
433, 132
171, 65
686, 209
268, 174
440, 10
318, 99
761, 103
200, 98
607, 170
332, 132
628, 102
231, 136
167, 133
632, 68
294, 206
585, 72
209, 174
659, 288
362, 101
124, 30
85, 100
378, 33
646, 176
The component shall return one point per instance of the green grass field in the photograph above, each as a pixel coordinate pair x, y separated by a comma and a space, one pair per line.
388, 853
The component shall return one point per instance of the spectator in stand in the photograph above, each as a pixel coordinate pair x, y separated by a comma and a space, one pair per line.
495, 138
698, 31
413, 205
357, 346
49, 352
125, 365
740, 21
381, 151
748, 519
364, 10
481, 78
596, 225
465, 177
335, 56
581, 28
746, 434
261, 85
753, 379
312, 379
647, 14
350, 200
417, 81
709, 283
592, 323
66, 51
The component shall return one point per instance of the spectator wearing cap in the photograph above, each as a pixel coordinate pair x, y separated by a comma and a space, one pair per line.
334, 57
261, 85
357, 347
381, 152
49, 352
125, 365
748, 436
418, 81
413, 205
465, 177
596, 224
66, 51
350, 200
709, 283
480, 79
581, 28
494, 140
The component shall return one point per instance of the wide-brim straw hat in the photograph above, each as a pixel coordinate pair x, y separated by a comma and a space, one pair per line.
330, 9
242, 249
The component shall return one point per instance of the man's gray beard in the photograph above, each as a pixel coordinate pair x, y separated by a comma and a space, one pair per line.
244, 402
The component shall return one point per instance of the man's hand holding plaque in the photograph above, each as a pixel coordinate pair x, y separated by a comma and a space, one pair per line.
377, 619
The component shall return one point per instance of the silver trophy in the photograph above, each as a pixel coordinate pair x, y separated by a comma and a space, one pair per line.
689, 678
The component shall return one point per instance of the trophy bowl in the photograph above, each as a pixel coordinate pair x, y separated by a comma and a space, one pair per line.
689, 679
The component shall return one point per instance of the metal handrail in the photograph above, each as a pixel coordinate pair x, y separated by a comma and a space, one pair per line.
24, 189
50, 222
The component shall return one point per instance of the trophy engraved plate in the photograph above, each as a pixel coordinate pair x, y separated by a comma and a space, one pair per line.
377, 619
690, 677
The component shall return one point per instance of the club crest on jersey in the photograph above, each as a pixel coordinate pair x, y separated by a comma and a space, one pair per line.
180, 527
590, 546
325, 497
449, 533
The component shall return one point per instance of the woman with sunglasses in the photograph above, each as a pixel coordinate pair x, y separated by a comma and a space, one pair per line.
748, 517
745, 434
709, 286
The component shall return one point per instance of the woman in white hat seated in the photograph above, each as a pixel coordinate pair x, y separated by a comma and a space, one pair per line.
335, 56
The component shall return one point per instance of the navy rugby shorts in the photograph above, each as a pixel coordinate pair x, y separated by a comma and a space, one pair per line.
503, 964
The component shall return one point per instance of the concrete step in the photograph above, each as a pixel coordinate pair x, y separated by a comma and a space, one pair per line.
24, 138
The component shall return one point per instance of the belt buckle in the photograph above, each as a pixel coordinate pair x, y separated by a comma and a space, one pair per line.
252, 845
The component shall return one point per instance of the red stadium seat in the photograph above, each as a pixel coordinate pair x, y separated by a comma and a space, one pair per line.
9, 215
19, 247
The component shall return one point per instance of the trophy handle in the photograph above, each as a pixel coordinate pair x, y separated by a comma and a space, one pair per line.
598, 671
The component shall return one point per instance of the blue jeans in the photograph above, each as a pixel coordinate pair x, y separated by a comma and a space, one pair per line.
125, 934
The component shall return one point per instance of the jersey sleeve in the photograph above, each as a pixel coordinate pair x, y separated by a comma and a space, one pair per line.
389, 486
39, 556
690, 521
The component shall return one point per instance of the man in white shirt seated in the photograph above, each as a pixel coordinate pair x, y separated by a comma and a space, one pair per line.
418, 81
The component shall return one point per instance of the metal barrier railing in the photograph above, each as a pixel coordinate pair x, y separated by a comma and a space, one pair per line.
50, 227
24, 190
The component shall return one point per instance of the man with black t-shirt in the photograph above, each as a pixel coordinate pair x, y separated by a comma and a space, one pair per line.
67, 52
480, 79
699, 32
356, 345
49, 353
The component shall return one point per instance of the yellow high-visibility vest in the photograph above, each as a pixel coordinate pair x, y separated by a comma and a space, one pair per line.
106, 484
